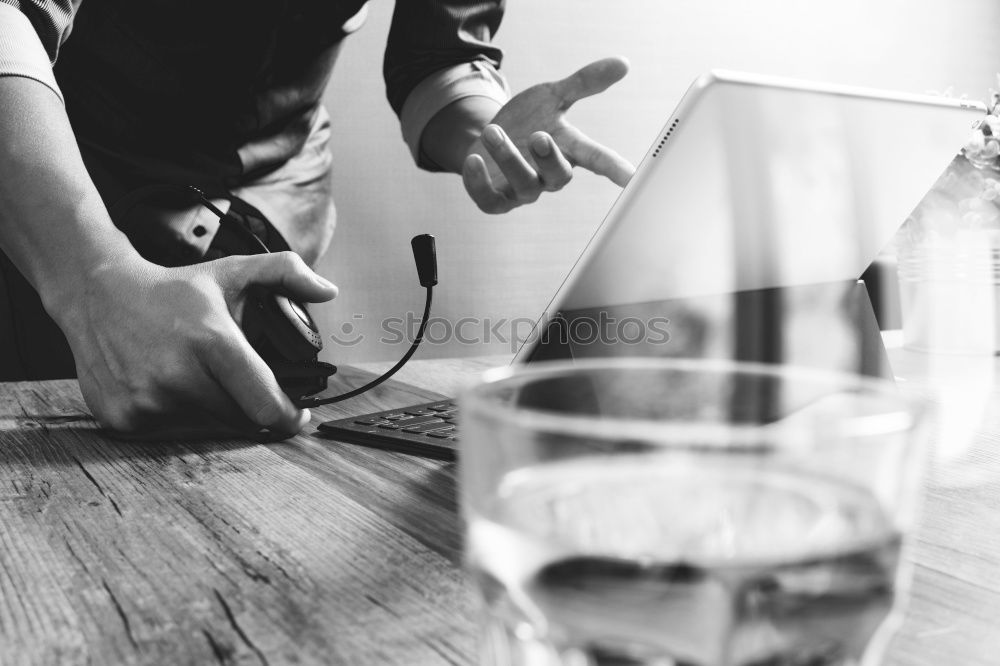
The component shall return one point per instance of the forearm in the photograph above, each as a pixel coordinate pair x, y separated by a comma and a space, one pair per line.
53, 224
451, 132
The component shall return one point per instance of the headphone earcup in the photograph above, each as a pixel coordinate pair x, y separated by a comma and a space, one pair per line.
287, 338
288, 326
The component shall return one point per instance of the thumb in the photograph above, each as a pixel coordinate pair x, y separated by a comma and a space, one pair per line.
594, 78
282, 272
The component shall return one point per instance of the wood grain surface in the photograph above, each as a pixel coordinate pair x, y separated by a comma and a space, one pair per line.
310, 551
305, 551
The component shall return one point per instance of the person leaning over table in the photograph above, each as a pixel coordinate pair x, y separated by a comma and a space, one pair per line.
103, 97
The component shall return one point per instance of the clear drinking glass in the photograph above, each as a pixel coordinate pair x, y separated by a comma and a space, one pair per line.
687, 513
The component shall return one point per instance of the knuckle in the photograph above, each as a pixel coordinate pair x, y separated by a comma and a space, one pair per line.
120, 417
175, 377
205, 337
142, 408
288, 260
495, 207
144, 397
138, 387
486, 204
559, 181
498, 150
475, 190
202, 282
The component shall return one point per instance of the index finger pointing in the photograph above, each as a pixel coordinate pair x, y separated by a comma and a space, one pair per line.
594, 78
592, 156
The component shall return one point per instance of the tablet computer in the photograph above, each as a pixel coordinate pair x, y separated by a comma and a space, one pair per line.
746, 226
741, 236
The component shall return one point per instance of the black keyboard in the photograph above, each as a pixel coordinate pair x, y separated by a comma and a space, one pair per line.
428, 430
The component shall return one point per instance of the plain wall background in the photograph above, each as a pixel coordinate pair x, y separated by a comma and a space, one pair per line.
498, 268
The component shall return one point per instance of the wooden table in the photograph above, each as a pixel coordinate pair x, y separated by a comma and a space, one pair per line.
310, 551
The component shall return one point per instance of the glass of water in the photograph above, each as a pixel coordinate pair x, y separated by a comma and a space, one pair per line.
687, 513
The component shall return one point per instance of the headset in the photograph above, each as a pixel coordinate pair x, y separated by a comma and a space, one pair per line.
278, 328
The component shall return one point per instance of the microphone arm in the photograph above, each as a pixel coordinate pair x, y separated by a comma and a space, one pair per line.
425, 256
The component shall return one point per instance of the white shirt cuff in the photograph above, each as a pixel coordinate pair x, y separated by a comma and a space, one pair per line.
21, 52
474, 79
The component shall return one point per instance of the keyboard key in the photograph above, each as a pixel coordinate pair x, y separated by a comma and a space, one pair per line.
416, 420
442, 406
395, 416
388, 426
427, 427
442, 434
372, 420
420, 412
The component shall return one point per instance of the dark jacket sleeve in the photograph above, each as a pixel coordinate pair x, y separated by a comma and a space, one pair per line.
51, 19
430, 35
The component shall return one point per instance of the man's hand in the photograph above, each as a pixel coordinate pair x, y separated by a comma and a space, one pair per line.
530, 148
159, 352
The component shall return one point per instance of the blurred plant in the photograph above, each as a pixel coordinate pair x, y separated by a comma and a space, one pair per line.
983, 146
966, 198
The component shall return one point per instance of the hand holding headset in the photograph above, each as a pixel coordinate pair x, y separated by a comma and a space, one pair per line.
280, 329
288, 327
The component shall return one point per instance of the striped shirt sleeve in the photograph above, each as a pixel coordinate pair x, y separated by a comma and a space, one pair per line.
31, 32
440, 51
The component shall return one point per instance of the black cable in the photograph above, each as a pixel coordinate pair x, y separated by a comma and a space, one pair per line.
305, 403
229, 222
